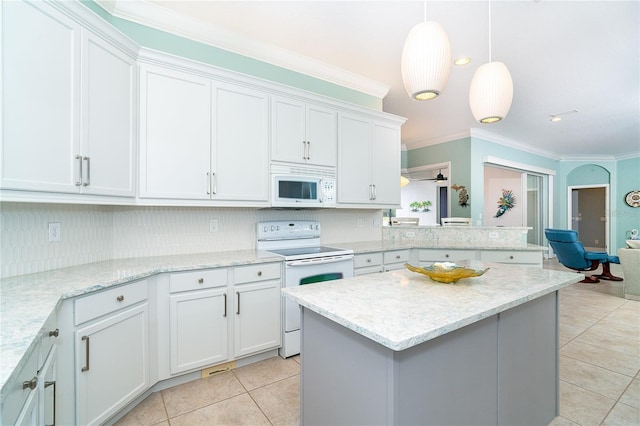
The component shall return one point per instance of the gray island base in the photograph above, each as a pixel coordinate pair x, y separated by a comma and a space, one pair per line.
398, 349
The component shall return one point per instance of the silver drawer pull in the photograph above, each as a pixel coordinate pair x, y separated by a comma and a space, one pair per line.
120, 298
88, 181
200, 280
30, 384
259, 273
225, 305
368, 260
238, 311
79, 181
446, 255
510, 257
86, 367
398, 256
54, 333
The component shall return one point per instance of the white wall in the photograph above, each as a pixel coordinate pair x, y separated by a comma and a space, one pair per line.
425, 190
495, 181
96, 233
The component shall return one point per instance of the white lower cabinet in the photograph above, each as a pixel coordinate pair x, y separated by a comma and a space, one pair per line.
111, 351
198, 319
367, 263
257, 316
428, 256
395, 259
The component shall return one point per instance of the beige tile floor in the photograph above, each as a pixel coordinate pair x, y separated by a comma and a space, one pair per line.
599, 373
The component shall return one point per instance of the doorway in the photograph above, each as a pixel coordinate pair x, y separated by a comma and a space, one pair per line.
588, 215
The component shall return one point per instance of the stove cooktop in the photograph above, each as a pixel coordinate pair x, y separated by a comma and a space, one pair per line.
309, 251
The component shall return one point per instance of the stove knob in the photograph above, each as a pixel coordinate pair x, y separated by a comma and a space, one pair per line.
266, 228
317, 227
272, 228
278, 227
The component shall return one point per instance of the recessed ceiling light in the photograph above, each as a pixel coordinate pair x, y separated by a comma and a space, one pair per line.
462, 61
558, 116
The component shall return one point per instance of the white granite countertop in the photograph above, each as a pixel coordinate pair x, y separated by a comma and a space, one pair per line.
27, 301
401, 309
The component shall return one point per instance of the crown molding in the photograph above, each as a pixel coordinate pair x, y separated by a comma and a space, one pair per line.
153, 15
511, 143
437, 140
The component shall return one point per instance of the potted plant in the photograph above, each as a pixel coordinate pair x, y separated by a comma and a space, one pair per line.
415, 206
425, 206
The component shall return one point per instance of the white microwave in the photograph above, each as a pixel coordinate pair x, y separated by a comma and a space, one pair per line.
303, 186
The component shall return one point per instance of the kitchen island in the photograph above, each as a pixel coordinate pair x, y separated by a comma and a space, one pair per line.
396, 348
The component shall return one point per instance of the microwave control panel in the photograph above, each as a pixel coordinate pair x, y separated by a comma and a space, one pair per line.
328, 192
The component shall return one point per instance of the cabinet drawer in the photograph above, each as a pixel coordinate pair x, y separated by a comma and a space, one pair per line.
445, 255
506, 256
261, 272
197, 280
367, 259
96, 305
397, 256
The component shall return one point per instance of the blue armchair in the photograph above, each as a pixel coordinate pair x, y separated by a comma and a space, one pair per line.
571, 253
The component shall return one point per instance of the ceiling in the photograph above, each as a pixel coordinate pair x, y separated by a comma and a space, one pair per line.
562, 55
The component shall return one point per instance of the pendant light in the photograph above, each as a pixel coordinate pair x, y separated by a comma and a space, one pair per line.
426, 60
491, 90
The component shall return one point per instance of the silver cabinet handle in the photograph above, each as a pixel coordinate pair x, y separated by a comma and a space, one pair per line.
87, 182
225, 305
79, 181
510, 257
208, 184
238, 311
368, 260
54, 333
446, 255
120, 298
259, 273
214, 185
46, 385
86, 367
308, 150
30, 384
200, 280
397, 256
304, 150
375, 192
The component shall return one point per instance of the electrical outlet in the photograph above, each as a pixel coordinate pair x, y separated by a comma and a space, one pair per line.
54, 232
493, 235
213, 225
359, 222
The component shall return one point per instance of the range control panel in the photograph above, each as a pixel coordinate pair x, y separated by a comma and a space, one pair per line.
288, 230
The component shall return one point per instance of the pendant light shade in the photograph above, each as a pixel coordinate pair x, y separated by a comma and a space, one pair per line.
426, 61
491, 92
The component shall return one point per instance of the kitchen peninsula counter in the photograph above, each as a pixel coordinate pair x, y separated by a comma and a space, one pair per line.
397, 348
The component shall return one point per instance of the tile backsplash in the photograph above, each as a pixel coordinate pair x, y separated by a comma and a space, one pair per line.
94, 233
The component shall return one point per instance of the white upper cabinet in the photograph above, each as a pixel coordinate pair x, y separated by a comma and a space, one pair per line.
68, 113
368, 162
241, 144
41, 98
108, 115
201, 139
175, 134
303, 133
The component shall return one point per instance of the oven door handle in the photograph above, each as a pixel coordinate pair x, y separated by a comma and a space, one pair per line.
319, 260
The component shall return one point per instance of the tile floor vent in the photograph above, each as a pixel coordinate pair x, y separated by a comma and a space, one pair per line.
216, 369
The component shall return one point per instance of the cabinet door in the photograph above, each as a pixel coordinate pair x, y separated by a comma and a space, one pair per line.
257, 317
354, 160
175, 134
322, 136
386, 164
241, 144
112, 364
40, 95
108, 100
288, 131
198, 329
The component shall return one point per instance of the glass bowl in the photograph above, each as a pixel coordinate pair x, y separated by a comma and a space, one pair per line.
446, 272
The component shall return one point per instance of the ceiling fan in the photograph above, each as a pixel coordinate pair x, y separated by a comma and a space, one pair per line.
439, 178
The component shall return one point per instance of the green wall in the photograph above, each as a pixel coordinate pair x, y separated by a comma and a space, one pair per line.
186, 48
628, 180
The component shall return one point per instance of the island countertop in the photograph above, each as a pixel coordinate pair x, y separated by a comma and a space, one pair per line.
401, 309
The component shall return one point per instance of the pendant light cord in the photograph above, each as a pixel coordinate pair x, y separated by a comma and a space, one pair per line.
490, 31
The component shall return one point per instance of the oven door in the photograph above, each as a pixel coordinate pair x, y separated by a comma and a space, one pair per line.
309, 271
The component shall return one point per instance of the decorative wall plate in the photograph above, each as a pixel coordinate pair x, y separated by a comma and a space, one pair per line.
632, 198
